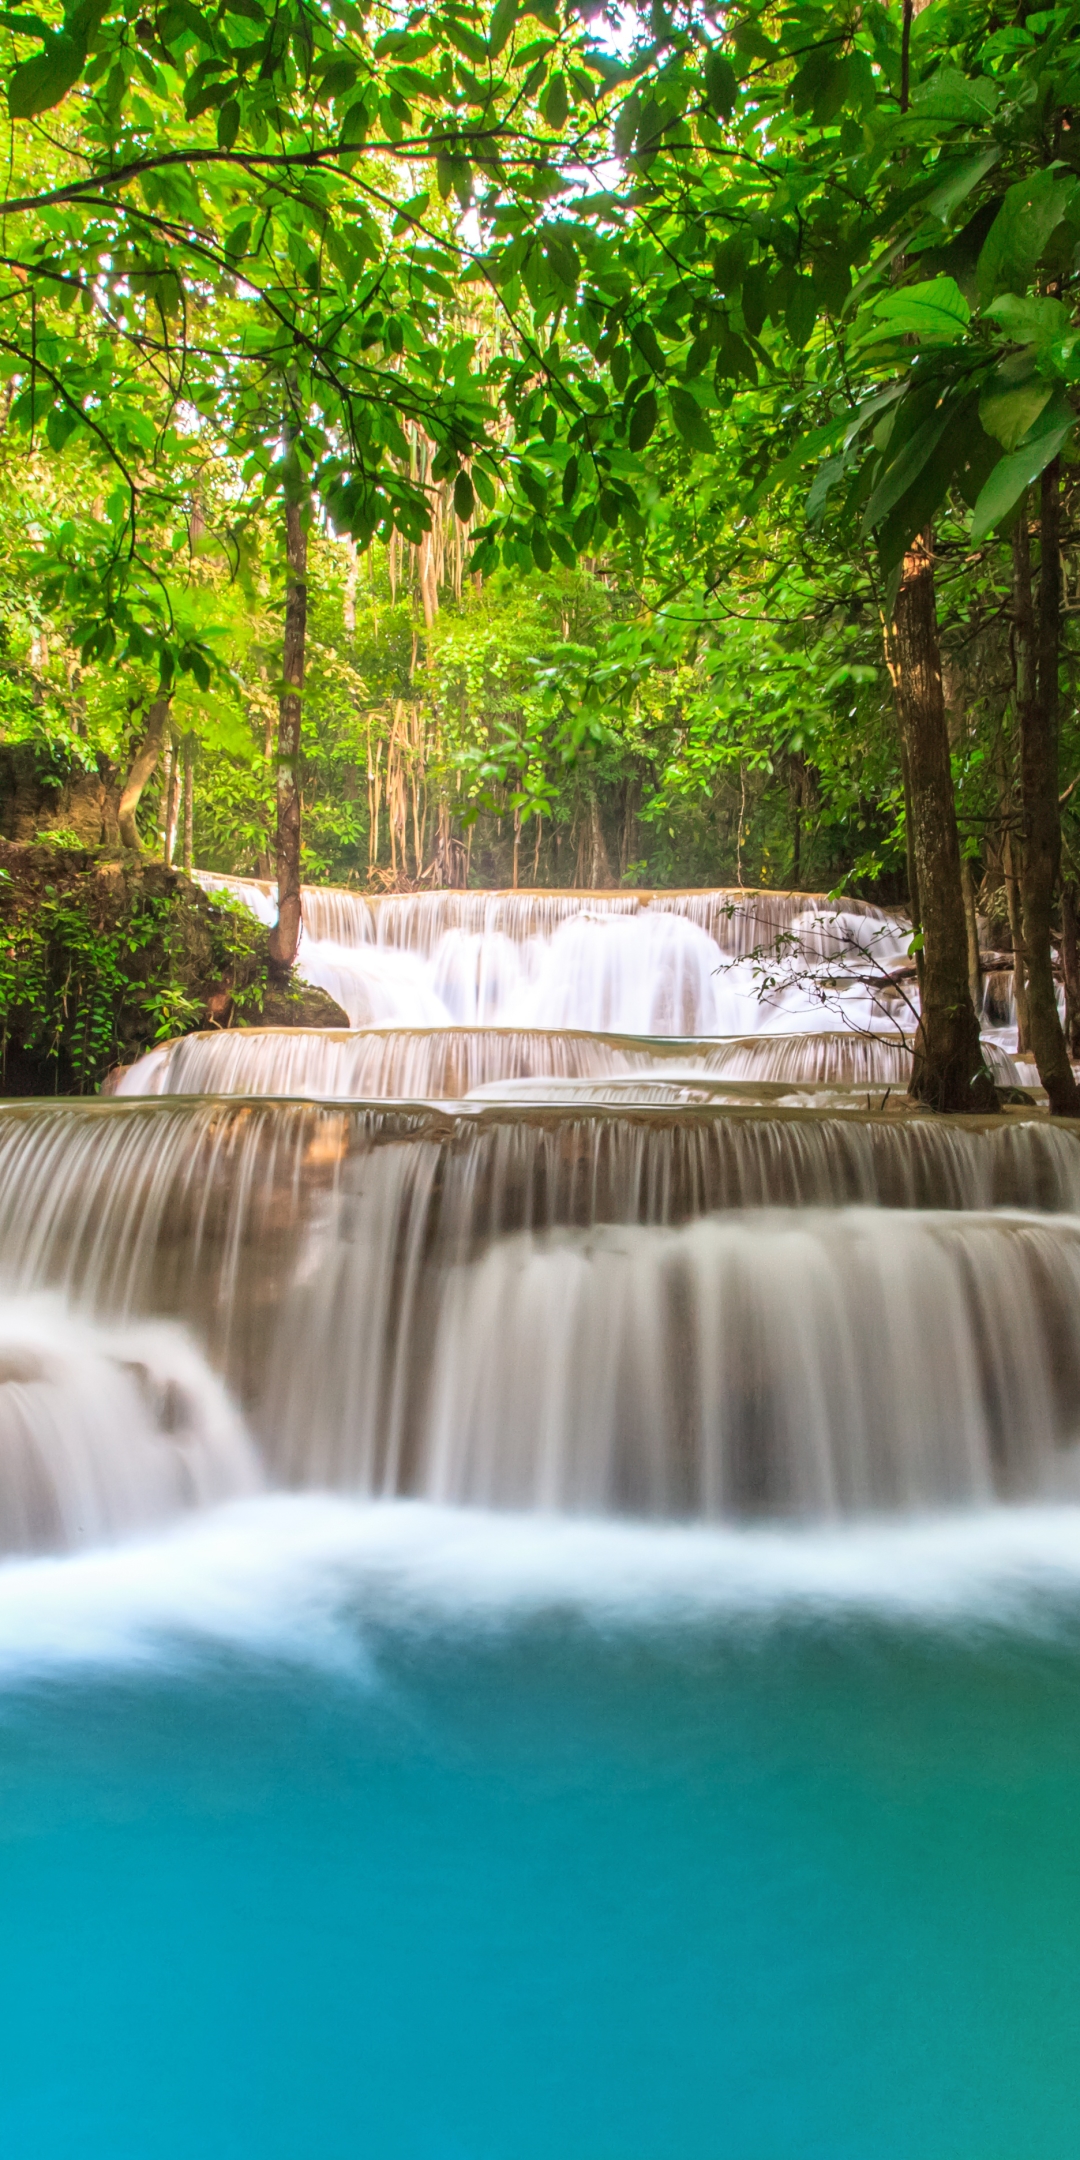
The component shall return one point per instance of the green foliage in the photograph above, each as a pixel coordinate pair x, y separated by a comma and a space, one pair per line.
96, 966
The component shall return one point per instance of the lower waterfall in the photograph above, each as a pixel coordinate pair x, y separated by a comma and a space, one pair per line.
105, 1430
799, 1364
668, 1313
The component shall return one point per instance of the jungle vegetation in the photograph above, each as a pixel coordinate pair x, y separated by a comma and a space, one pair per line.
556, 443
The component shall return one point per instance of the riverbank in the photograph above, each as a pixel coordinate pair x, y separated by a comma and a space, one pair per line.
102, 955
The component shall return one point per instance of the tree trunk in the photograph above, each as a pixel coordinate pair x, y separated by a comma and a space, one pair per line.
1037, 704
172, 803
909, 853
166, 798
948, 1072
1070, 967
599, 866
971, 925
189, 801
285, 935
142, 765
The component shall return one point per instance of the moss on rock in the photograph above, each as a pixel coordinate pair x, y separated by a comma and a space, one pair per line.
101, 958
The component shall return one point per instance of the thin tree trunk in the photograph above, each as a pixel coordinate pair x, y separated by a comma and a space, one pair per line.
971, 925
1037, 703
1009, 852
948, 1072
189, 802
599, 866
142, 765
796, 785
166, 797
285, 935
1070, 966
173, 810
909, 852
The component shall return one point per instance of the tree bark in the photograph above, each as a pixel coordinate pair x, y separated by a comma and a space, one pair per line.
285, 935
189, 801
1009, 854
909, 853
142, 765
948, 1072
1037, 711
971, 925
172, 803
1070, 966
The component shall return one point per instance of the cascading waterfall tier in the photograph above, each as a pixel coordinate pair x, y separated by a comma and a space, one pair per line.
690, 963
105, 1430
664, 1313
607, 1213
444, 1064
736, 919
804, 1364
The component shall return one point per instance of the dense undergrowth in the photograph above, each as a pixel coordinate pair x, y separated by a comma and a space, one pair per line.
100, 958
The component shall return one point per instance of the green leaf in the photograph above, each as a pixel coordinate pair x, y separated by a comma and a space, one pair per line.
41, 82
905, 469
464, 499
1008, 412
648, 345
228, 124
500, 29
935, 312
569, 482
949, 95
563, 258
801, 312
950, 193
355, 125
484, 487
1011, 475
1037, 322
721, 84
643, 420
533, 486
1029, 214
690, 420
555, 103
749, 39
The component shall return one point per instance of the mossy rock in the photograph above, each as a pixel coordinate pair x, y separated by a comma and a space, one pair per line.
102, 956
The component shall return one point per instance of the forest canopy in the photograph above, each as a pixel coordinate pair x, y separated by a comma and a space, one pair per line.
556, 444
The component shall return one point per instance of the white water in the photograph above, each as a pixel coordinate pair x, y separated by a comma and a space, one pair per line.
316, 1581
707, 963
440, 1064
104, 1430
662, 1243
799, 1363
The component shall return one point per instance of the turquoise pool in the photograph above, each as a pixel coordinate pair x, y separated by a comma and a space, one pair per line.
331, 1832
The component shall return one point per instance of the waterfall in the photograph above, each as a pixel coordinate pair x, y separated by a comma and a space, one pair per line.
616, 1210
684, 964
105, 1430
661, 1313
803, 1364
444, 1064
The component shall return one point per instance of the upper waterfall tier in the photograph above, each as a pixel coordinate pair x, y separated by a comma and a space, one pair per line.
660, 963
735, 918
443, 1064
